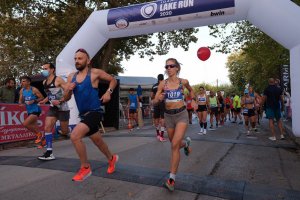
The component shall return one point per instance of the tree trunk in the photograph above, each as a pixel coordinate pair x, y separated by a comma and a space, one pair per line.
107, 53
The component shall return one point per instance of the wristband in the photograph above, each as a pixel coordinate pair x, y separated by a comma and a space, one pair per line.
110, 90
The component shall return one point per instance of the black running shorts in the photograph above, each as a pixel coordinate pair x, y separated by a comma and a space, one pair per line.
92, 120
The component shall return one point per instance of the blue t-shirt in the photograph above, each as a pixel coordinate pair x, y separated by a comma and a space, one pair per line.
29, 96
133, 101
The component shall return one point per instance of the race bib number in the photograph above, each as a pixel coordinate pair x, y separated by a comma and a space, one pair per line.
132, 105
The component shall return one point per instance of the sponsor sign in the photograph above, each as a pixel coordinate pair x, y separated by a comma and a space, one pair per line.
285, 78
11, 118
166, 11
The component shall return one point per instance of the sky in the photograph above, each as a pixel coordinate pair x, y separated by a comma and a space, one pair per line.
192, 68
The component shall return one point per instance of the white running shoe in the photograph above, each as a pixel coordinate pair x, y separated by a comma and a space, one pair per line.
47, 156
201, 130
248, 132
273, 138
204, 131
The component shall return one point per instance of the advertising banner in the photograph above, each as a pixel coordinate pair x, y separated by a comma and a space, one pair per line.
285, 78
11, 118
166, 11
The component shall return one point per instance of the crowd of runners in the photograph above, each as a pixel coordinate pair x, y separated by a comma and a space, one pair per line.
173, 110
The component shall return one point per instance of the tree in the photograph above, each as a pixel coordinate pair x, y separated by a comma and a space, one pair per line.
228, 89
35, 31
259, 56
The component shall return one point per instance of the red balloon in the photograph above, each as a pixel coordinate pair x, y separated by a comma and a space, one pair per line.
203, 53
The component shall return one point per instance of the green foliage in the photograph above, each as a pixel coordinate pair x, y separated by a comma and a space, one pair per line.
35, 31
228, 89
296, 2
254, 55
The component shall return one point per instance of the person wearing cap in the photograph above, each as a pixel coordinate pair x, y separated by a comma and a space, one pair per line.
84, 85
248, 103
176, 116
257, 107
158, 109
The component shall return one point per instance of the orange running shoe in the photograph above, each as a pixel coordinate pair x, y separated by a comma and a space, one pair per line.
39, 137
43, 144
112, 164
82, 174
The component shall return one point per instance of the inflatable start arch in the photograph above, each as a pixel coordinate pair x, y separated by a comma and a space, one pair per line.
277, 18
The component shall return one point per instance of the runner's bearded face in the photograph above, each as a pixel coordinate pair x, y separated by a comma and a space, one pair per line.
81, 61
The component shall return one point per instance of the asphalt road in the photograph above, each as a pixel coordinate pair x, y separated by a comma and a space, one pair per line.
224, 164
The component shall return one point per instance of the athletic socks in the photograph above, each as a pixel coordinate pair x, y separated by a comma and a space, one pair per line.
162, 131
205, 125
201, 124
48, 137
172, 176
157, 131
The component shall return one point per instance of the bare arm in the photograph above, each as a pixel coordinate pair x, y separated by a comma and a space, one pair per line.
242, 101
192, 93
37, 93
102, 75
69, 88
282, 102
190, 89
59, 82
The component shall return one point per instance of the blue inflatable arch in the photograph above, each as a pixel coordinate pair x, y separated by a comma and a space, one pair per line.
277, 18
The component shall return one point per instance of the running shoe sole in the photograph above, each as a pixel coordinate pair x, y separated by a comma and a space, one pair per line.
90, 173
117, 159
46, 158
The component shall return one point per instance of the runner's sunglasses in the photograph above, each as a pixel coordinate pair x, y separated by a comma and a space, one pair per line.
170, 66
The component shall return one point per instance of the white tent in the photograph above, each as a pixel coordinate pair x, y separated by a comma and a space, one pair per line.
277, 18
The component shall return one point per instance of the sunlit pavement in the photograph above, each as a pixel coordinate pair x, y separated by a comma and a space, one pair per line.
224, 164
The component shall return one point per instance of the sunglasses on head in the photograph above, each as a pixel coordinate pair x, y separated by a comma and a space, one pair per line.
170, 66
83, 51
